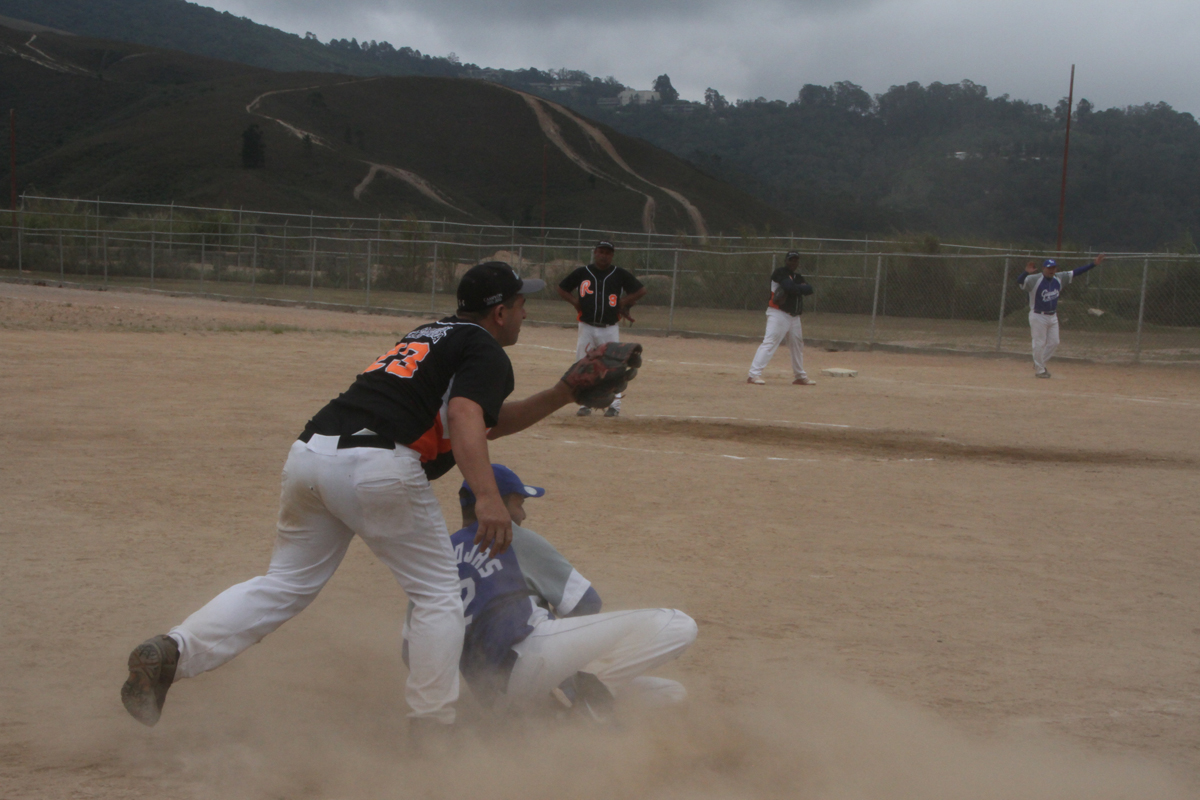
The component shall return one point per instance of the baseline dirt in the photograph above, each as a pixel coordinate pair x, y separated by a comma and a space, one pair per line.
983, 586
889, 443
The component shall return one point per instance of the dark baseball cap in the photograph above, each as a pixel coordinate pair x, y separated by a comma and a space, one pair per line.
492, 283
791, 254
508, 483
603, 245
1049, 262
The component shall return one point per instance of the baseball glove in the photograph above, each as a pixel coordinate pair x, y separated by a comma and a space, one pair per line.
603, 373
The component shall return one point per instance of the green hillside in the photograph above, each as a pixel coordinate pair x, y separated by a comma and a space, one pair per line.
121, 121
199, 30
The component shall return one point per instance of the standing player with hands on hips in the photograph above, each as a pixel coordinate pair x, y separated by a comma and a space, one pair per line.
362, 466
788, 290
602, 296
1044, 291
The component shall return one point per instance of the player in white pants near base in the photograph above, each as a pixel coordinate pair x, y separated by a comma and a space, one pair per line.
788, 289
535, 631
601, 295
363, 466
1044, 291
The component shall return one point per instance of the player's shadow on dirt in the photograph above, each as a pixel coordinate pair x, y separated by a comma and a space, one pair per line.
888, 443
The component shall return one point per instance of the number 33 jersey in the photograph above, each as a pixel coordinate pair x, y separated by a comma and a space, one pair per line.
403, 395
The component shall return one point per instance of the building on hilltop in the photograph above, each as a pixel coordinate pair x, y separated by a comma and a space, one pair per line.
638, 97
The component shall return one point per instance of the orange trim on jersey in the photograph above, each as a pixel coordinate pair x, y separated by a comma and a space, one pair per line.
433, 442
771, 302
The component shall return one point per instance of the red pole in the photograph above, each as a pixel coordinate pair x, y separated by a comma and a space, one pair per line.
12, 152
1062, 195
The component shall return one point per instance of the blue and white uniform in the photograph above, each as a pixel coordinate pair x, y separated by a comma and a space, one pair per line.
532, 621
1043, 311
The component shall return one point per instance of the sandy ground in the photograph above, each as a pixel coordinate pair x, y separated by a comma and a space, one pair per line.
941, 579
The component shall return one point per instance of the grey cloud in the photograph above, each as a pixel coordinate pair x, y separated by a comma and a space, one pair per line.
771, 48
538, 11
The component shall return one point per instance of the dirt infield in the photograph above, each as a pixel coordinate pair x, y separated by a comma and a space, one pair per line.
940, 579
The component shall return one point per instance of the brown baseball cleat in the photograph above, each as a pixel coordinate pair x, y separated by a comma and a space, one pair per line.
151, 672
804, 382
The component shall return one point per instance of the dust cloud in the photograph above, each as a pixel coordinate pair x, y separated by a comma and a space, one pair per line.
817, 738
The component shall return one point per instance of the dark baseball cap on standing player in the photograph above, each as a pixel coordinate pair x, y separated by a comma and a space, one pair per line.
1049, 262
508, 483
603, 245
791, 254
492, 283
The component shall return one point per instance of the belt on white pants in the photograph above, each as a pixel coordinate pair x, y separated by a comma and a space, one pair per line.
329, 445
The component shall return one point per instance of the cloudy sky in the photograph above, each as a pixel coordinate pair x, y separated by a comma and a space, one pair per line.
1125, 52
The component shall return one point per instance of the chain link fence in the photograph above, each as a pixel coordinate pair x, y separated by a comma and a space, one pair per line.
920, 294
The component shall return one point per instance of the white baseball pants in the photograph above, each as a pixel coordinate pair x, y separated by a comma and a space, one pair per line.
616, 647
780, 327
1043, 328
328, 496
591, 336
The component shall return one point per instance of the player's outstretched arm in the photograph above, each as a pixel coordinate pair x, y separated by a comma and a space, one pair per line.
517, 415
1095, 262
468, 440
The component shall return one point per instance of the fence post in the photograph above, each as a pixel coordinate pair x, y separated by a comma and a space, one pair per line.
151, 258
312, 263
239, 239
674, 280
1137, 345
433, 281
1003, 296
875, 302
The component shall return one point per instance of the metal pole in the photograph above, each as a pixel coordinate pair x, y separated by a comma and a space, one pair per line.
12, 154
239, 240
312, 265
1003, 295
433, 281
1062, 195
1137, 346
674, 280
875, 302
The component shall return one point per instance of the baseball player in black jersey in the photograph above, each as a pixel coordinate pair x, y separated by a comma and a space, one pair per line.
602, 295
362, 467
788, 290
